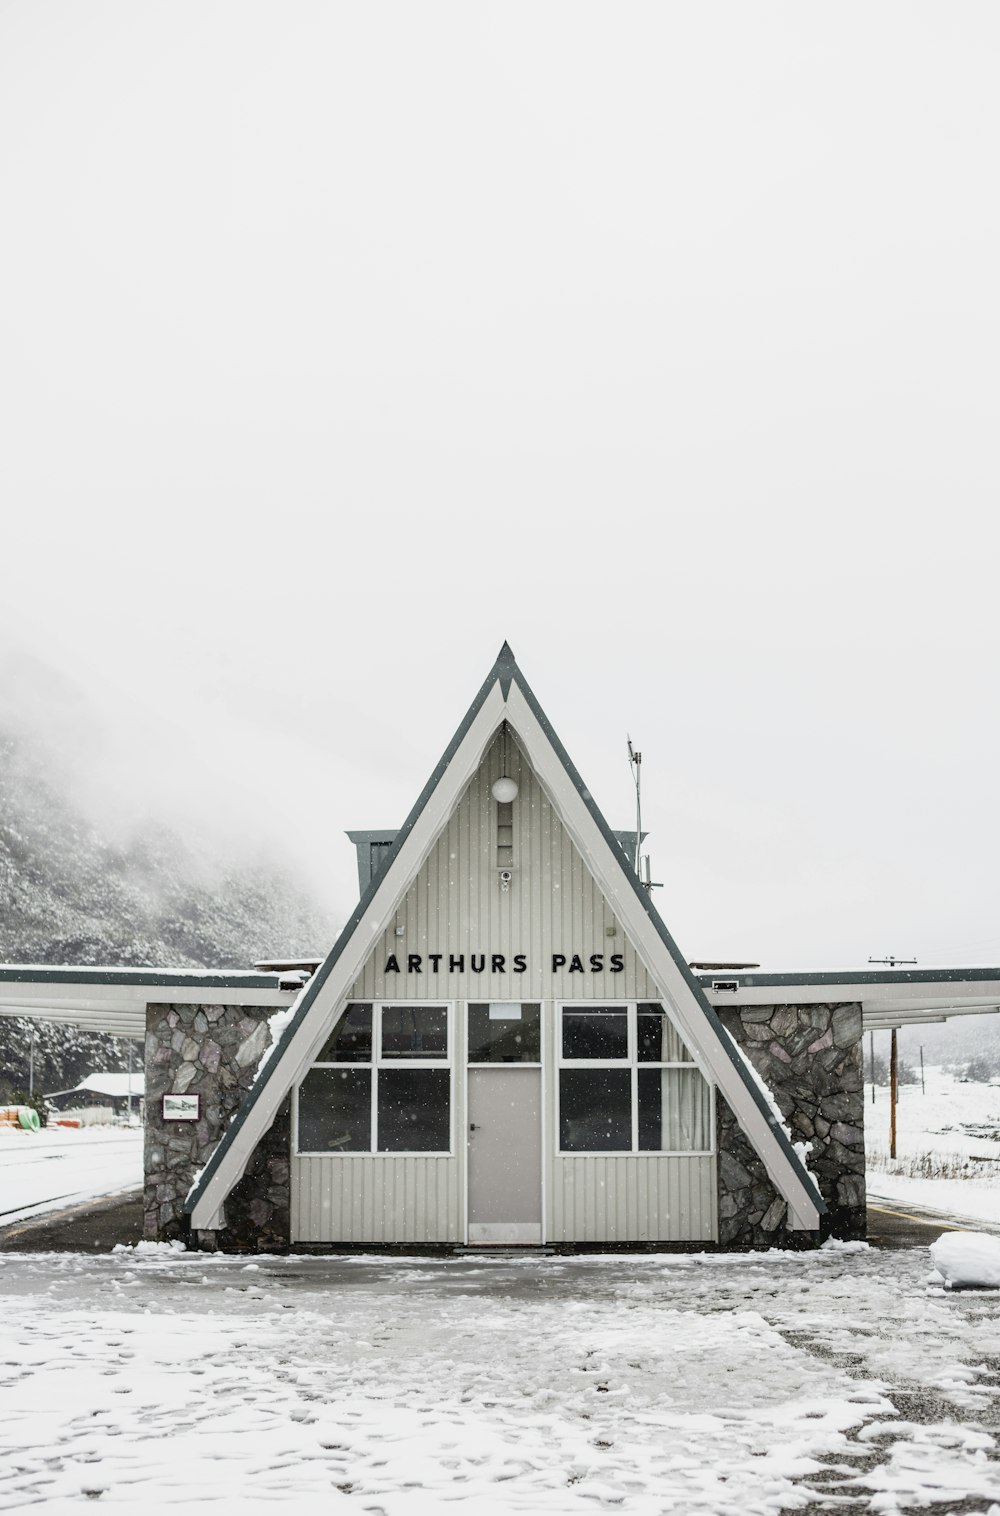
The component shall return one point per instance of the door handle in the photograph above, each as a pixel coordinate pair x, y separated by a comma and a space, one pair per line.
473, 1127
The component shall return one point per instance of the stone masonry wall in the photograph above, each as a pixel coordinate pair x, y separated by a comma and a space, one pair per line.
809, 1056
258, 1210
751, 1212
214, 1051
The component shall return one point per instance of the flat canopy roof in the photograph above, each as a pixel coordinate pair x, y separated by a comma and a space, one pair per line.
890, 997
114, 999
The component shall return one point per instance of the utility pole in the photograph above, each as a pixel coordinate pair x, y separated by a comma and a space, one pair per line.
923, 1087
891, 962
871, 1060
893, 1071
31, 1063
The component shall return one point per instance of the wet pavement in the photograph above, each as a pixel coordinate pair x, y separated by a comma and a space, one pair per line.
97, 1225
89, 1226
899, 1224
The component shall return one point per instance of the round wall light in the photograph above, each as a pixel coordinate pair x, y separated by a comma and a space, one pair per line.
504, 791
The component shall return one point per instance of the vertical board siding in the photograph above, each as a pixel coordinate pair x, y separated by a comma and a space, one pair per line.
386, 1197
642, 1198
639, 1197
380, 1199
456, 905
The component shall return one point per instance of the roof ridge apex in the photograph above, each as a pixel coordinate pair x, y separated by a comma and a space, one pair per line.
505, 668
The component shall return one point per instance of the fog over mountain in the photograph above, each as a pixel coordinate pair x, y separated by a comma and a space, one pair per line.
75, 889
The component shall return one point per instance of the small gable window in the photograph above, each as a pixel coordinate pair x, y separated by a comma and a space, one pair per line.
627, 1083
381, 1084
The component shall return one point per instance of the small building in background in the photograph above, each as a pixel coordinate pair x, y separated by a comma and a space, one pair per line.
100, 1098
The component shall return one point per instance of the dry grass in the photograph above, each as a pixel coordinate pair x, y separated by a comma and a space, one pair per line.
933, 1165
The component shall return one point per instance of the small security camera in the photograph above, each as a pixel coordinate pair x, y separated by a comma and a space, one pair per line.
505, 876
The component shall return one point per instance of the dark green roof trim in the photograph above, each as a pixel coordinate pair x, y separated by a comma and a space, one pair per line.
507, 672
316, 983
859, 976
29, 973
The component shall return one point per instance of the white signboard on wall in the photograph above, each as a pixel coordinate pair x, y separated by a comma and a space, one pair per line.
181, 1107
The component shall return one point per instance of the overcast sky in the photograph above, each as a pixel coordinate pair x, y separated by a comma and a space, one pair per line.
340, 342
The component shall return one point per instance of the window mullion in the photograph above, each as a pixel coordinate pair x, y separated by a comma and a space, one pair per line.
633, 1045
376, 1059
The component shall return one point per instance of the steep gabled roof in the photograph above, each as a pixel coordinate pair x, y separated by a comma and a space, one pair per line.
506, 696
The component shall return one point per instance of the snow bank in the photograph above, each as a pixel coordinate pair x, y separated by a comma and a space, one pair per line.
967, 1259
278, 1024
149, 1247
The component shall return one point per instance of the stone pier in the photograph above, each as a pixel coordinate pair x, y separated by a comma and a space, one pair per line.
809, 1056
212, 1051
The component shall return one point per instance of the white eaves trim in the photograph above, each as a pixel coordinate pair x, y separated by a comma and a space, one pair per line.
927, 994
120, 1009
895, 1003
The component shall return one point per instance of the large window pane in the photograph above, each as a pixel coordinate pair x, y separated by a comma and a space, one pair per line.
595, 1110
658, 1041
505, 1033
414, 1031
335, 1111
598, 1032
351, 1039
413, 1110
674, 1111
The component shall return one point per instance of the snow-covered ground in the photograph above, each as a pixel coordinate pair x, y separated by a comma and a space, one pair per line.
947, 1146
731, 1385
46, 1170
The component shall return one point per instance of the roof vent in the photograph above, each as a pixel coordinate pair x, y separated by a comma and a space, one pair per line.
373, 850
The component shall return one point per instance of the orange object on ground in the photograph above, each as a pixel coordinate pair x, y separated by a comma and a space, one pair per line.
24, 1116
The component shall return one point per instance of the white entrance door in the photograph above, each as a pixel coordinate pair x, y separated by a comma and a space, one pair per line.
505, 1154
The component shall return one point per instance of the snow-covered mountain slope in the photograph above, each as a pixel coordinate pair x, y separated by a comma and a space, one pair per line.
69, 895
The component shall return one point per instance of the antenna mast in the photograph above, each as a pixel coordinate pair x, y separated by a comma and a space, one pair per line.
635, 763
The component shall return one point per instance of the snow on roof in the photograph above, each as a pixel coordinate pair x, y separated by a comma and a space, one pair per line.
116, 1086
116, 974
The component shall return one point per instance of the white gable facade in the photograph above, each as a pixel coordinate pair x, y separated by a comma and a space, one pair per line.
505, 1046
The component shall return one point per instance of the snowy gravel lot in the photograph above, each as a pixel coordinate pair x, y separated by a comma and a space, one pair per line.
839, 1380
41, 1171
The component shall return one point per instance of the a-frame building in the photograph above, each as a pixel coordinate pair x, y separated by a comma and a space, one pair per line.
505, 1044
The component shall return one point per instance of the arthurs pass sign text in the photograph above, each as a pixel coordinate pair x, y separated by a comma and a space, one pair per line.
501, 963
